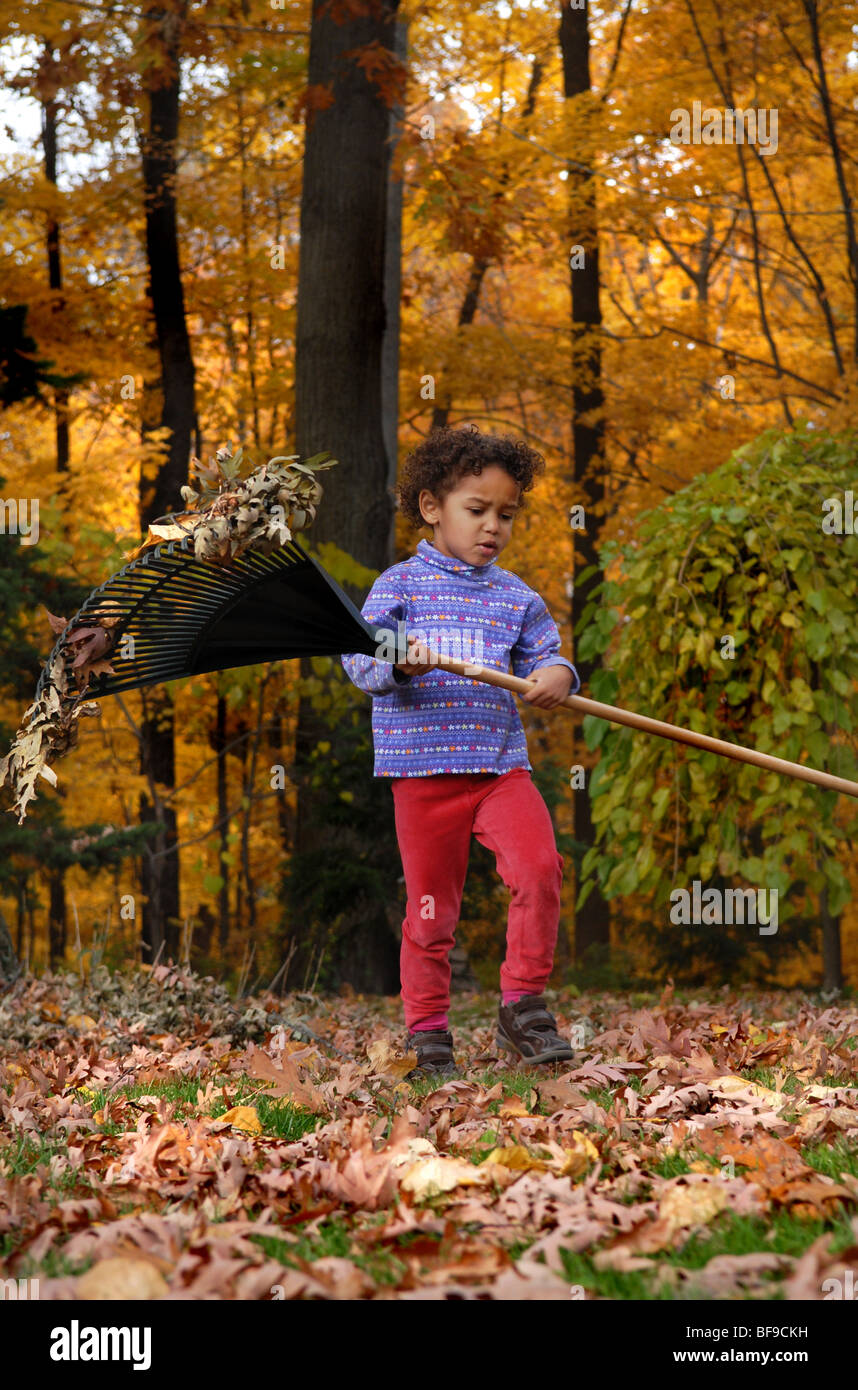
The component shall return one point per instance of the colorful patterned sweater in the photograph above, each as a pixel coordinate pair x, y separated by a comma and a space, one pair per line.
440, 722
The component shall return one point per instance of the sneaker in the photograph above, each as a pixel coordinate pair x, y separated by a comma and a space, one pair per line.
528, 1029
434, 1050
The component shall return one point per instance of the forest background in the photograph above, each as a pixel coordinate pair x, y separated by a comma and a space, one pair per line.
331, 226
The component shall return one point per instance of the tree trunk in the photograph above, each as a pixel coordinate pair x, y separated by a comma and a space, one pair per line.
9, 966
165, 280
247, 810
392, 297
285, 817
340, 333
592, 920
22, 902
223, 823
57, 917
55, 273
832, 964
159, 878
173, 408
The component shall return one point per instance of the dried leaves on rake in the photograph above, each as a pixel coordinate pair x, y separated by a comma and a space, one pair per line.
231, 515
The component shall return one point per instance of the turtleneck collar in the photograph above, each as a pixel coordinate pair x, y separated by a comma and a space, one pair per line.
431, 556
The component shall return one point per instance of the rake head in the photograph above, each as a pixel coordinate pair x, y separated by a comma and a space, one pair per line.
182, 616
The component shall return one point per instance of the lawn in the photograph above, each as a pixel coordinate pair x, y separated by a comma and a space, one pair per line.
158, 1140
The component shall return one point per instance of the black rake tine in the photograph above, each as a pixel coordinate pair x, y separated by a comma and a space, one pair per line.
181, 612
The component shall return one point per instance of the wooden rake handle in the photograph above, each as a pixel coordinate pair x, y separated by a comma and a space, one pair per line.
473, 671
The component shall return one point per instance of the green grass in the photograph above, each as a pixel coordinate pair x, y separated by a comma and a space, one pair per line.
832, 1158
765, 1076
518, 1083
335, 1236
54, 1264
348, 1234
778, 1233
671, 1166
27, 1152
279, 1118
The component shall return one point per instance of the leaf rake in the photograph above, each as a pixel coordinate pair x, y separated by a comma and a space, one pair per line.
182, 616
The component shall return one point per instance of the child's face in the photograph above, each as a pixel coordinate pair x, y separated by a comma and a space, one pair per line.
481, 508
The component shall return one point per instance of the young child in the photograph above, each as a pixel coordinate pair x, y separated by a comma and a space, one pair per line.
454, 748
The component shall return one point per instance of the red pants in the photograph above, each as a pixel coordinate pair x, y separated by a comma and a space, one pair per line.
435, 818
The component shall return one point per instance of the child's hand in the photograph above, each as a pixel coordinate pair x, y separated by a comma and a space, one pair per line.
552, 685
418, 662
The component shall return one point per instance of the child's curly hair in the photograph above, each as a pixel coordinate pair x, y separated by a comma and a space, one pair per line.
448, 453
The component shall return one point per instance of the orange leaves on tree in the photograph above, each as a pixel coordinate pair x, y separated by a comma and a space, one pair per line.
387, 73
316, 96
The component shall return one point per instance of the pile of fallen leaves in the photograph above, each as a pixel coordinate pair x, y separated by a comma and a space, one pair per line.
125, 1007
228, 515
302, 1165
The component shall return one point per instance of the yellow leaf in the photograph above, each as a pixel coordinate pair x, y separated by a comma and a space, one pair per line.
83, 1022
384, 1061
681, 1207
586, 1144
122, 1277
431, 1176
242, 1117
516, 1156
578, 1159
513, 1107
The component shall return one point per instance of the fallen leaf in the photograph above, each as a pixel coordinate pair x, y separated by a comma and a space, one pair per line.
579, 1158
478, 1263
385, 1061
431, 1176
812, 1195
512, 1108
415, 1148
287, 1081
242, 1117
557, 1094
122, 1277
683, 1207
517, 1157
737, 1088
770, 1160
83, 1022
